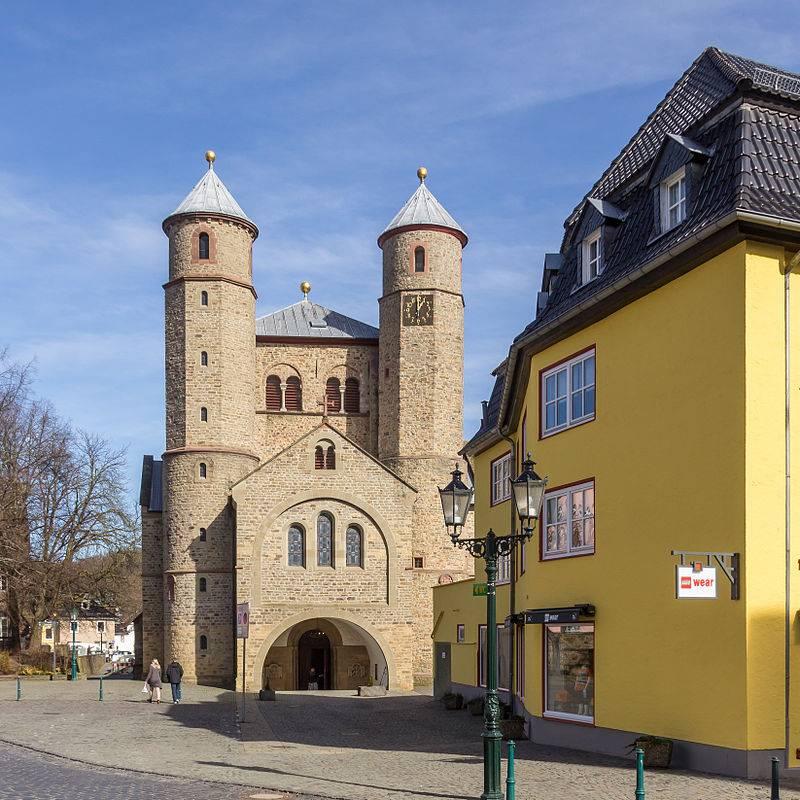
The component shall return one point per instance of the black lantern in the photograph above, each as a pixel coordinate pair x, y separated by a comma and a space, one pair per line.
456, 498
528, 491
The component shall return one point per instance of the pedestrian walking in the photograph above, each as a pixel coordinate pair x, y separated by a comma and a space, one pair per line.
153, 681
174, 676
313, 680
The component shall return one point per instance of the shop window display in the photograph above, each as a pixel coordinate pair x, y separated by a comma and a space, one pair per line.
569, 650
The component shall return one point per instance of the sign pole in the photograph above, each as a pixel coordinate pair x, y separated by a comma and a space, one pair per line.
244, 676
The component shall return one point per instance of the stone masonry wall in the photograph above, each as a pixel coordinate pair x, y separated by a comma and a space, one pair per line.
152, 586
421, 407
314, 365
377, 597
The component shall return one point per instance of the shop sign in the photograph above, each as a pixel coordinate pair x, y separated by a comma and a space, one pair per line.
694, 583
479, 590
548, 616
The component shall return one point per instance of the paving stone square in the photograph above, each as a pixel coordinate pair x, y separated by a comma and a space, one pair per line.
326, 744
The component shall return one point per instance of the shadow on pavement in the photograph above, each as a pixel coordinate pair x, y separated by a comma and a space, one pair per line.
273, 771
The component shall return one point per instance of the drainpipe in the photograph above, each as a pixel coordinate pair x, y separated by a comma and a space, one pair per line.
512, 586
793, 262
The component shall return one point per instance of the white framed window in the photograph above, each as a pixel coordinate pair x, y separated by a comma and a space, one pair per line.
568, 521
504, 568
568, 393
5, 627
569, 672
3, 583
501, 476
592, 260
502, 656
673, 200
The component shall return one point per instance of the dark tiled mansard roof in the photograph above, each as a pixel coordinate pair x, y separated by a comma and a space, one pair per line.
739, 121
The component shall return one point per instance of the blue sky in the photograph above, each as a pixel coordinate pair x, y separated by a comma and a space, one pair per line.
320, 113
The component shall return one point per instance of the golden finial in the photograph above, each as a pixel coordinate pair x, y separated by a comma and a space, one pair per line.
211, 157
422, 173
305, 288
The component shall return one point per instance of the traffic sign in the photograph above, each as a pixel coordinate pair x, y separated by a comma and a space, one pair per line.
242, 620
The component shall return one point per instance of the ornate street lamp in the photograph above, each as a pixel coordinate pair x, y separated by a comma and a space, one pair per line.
528, 491
73, 621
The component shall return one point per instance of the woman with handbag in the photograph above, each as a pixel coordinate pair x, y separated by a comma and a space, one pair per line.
153, 681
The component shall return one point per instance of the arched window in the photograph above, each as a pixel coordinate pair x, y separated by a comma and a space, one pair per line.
204, 359
273, 393
203, 534
296, 543
354, 546
171, 588
319, 457
203, 471
330, 457
333, 397
352, 403
203, 249
294, 394
203, 298
419, 259
203, 584
203, 414
324, 540
204, 642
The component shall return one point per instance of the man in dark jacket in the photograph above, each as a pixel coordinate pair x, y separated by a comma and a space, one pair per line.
174, 675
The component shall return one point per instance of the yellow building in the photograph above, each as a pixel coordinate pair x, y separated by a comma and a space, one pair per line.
657, 389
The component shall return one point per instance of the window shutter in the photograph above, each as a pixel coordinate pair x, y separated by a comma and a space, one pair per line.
294, 399
319, 458
579, 261
333, 399
273, 393
352, 403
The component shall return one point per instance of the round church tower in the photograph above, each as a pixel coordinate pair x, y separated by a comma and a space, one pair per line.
210, 399
421, 385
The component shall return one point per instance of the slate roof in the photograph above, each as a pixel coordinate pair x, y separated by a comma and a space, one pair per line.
739, 120
210, 195
307, 319
422, 208
150, 492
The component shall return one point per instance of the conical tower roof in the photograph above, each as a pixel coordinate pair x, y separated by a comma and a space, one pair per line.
211, 196
422, 209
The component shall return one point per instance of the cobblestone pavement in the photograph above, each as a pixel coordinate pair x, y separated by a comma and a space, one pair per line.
325, 744
26, 775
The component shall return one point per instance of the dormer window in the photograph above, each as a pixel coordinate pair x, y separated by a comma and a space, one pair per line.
673, 200
592, 261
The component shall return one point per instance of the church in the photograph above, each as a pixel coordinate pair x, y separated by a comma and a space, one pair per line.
303, 453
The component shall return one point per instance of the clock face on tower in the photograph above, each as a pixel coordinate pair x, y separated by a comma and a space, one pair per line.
418, 309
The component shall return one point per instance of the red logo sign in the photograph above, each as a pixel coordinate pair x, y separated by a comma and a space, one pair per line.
686, 582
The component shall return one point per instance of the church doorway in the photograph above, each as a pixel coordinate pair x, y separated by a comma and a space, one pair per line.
314, 653
343, 655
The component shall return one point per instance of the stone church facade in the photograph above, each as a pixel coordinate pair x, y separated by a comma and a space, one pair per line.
303, 453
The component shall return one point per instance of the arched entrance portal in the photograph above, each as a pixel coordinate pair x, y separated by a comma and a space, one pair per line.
343, 652
314, 661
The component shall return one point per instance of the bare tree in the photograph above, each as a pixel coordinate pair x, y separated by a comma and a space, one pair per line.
62, 501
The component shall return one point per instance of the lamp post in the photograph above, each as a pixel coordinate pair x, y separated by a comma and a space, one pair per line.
73, 621
528, 491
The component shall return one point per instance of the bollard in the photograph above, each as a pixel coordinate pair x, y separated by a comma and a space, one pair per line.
101, 688
639, 773
19, 688
510, 779
775, 794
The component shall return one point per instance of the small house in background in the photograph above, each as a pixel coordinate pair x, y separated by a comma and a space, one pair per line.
124, 636
96, 628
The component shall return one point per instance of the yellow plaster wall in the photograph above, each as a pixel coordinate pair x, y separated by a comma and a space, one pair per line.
764, 553
666, 451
